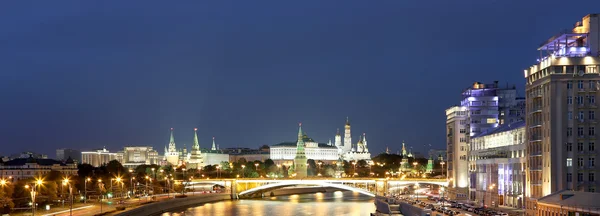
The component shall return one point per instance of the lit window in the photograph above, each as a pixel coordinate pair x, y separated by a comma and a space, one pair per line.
491, 121
569, 162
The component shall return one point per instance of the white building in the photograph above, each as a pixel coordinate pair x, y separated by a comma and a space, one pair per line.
286, 151
331, 152
134, 156
100, 157
500, 163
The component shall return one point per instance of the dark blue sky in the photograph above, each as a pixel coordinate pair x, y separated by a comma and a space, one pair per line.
87, 74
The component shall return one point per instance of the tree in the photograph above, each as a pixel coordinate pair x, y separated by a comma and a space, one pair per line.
269, 163
242, 160
85, 170
6, 192
115, 168
21, 195
311, 170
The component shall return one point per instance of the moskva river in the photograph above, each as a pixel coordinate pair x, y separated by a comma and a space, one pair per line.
319, 204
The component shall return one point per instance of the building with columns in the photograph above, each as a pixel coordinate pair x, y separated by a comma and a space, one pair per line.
499, 158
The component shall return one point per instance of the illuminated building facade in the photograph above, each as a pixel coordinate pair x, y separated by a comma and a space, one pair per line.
499, 159
561, 91
100, 157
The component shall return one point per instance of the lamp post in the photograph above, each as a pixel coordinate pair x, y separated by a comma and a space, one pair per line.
33, 192
442, 163
100, 186
218, 171
243, 169
279, 168
319, 171
131, 181
119, 181
147, 192
184, 184
415, 164
491, 188
256, 165
416, 191
354, 171
67, 183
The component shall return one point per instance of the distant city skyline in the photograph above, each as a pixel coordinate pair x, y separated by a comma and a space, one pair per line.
88, 75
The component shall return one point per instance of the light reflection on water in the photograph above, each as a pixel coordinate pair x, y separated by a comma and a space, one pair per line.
319, 204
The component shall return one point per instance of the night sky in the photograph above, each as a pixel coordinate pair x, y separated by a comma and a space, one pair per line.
87, 74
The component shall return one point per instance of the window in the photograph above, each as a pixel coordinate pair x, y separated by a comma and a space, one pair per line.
591, 177
592, 84
580, 100
580, 115
463, 122
569, 147
579, 177
570, 115
580, 131
569, 131
569, 162
580, 84
592, 115
569, 85
592, 131
569, 100
592, 162
462, 139
580, 162
491, 121
463, 130
591, 146
569, 177
579, 146
592, 99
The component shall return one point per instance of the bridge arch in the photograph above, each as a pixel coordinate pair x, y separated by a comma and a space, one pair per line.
288, 183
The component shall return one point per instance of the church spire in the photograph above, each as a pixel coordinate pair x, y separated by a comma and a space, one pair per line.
300, 159
196, 145
172, 139
347, 121
172, 147
338, 132
214, 147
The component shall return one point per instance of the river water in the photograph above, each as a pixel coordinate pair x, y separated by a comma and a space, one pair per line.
319, 204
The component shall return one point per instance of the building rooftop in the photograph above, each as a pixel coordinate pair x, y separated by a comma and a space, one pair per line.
293, 144
569, 198
43, 162
502, 128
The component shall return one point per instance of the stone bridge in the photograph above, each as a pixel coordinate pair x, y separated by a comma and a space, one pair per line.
248, 188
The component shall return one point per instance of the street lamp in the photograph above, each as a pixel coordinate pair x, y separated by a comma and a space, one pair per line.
442, 163
218, 171
279, 168
491, 188
319, 171
416, 191
33, 192
131, 181
415, 164
354, 171
147, 192
243, 169
120, 182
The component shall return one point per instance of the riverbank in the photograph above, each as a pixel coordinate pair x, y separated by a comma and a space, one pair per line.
158, 208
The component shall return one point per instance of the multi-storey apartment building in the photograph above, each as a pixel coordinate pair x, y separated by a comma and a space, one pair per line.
561, 91
499, 157
456, 144
485, 107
